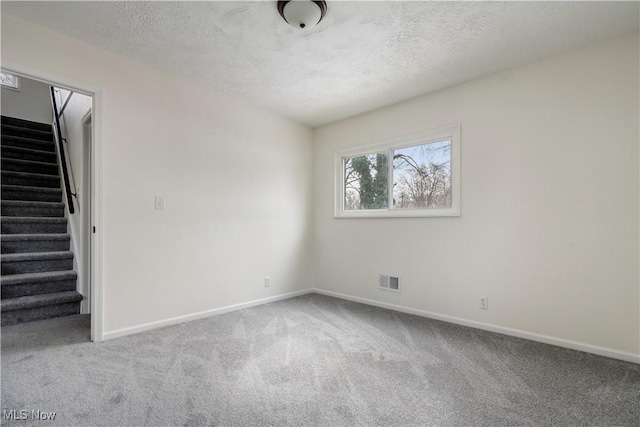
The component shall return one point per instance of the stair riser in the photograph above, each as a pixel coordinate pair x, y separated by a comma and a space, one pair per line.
44, 168
25, 123
32, 181
36, 156
37, 266
28, 289
34, 246
31, 144
39, 313
27, 133
44, 211
32, 228
32, 195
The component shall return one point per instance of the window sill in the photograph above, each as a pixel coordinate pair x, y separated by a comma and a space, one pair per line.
399, 213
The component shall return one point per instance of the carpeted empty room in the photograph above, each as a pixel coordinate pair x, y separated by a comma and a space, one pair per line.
320, 213
310, 360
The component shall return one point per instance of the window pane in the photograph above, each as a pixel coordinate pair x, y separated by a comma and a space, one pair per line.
422, 176
8, 80
366, 182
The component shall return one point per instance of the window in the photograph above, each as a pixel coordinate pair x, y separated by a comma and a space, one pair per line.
414, 176
9, 81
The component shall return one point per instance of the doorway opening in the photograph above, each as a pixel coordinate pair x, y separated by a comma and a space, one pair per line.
74, 117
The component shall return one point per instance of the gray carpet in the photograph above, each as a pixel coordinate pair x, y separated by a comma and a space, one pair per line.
311, 360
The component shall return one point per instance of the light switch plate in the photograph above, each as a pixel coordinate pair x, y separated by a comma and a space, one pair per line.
159, 203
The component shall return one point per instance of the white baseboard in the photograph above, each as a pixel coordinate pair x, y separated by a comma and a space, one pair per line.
560, 342
200, 315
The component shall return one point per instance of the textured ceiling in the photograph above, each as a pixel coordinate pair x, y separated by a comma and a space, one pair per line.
362, 56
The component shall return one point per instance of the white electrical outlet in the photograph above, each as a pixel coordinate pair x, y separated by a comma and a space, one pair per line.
267, 282
484, 303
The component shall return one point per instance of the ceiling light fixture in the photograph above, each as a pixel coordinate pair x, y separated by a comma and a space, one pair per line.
302, 13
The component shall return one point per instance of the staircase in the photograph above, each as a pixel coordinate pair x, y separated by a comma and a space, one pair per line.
38, 281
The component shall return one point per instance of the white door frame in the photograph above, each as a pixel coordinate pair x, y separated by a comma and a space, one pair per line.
21, 70
85, 211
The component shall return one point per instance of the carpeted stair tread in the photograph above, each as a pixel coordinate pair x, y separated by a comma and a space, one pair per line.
18, 279
31, 203
22, 285
5, 258
24, 243
35, 144
25, 132
29, 166
21, 208
32, 225
33, 219
13, 121
32, 314
28, 174
25, 192
31, 301
28, 154
30, 179
35, 262
34, 237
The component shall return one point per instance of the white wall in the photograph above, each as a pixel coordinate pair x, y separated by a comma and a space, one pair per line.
31, 102
237, 183
549, 225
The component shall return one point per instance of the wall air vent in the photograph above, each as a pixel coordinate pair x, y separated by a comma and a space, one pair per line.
389, 283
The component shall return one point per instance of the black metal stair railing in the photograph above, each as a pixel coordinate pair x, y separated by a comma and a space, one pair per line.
63, 159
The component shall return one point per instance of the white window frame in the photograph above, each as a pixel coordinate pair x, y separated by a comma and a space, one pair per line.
10, 87
451, 132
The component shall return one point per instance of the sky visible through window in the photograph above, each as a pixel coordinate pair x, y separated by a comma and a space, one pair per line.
422, 176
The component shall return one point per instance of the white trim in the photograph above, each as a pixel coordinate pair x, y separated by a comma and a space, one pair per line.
86, 117
451, 132
21, 70
49, 78
97, 290
200, 315
546, 339
84, 209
